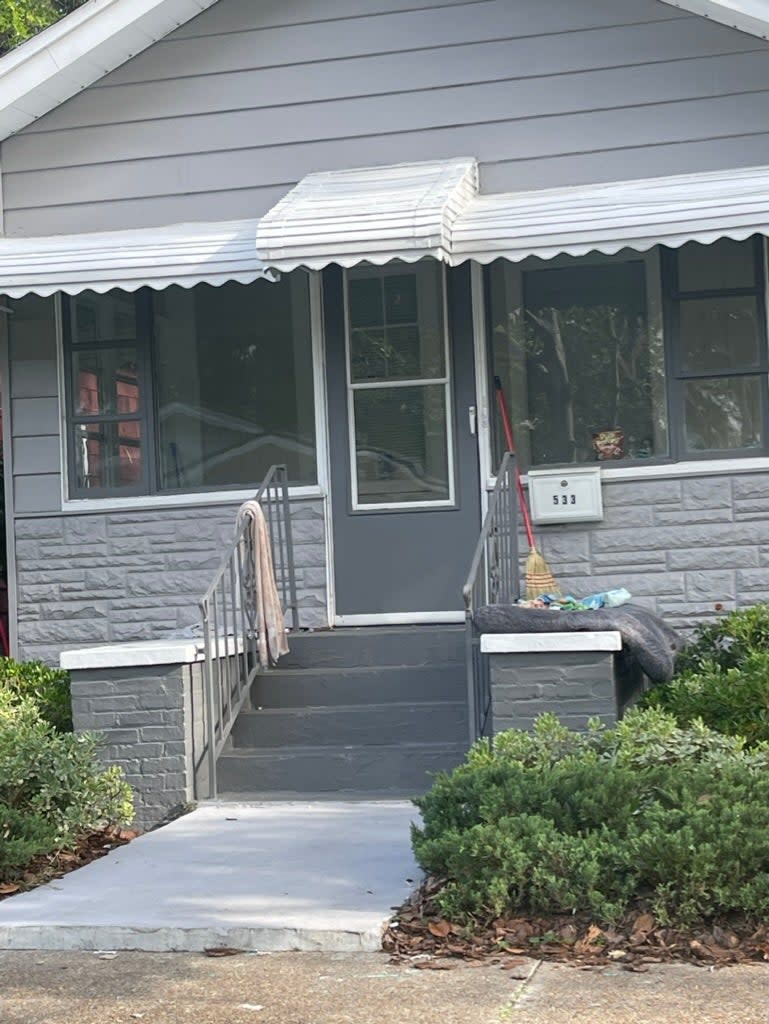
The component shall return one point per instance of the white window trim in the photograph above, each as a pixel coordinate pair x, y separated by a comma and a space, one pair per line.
202, 499
672, 470
483, 399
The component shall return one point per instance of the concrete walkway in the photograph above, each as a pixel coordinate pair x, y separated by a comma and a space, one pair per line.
272, 876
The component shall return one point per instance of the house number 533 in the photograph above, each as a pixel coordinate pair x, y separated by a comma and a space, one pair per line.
564, 499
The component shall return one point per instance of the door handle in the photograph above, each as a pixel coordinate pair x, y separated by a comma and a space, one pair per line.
473, 418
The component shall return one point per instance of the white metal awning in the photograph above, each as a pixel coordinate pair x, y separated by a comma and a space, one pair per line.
183, 254
376, 214
606, 218
404, 212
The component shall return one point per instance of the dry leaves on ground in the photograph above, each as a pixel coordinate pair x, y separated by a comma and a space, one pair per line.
45, 867
419, 931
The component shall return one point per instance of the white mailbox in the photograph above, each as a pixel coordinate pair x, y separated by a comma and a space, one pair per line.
571, 495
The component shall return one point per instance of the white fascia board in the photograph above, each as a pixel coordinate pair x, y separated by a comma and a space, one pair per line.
79, 50
751, 16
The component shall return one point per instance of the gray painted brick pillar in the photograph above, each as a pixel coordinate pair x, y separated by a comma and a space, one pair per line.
531, 674
151, 718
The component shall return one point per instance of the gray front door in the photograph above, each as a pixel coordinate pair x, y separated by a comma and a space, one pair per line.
404, 456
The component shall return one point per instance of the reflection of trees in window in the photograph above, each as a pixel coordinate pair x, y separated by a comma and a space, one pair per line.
591, 373
579, 358
718, 319
722, 414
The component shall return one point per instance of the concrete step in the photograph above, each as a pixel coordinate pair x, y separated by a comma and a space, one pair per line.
332, 687
374, 724
392, 769
353, 647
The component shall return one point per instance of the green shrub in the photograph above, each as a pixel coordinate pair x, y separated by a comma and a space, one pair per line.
734, 701
727, 643
47, 687
723, 677
52, 789
562, 822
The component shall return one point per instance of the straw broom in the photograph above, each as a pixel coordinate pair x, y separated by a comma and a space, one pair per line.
539, 577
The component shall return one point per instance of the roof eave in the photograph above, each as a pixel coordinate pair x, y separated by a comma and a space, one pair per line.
750, 16
75, 52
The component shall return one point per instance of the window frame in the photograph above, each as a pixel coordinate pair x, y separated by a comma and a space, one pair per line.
677, 377
146, 418
148, 492
654, 294
662, 296
356, 506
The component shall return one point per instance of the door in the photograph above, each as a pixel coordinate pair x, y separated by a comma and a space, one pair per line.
404, 456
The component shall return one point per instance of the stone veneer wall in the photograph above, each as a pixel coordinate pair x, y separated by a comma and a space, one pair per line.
681, 547
152, 719
685, 548
116, 576
576, 686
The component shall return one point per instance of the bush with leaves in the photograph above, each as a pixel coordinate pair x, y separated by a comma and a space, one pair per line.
52, 788
728, 642
48, 688
563, 822
20, 19
722, 677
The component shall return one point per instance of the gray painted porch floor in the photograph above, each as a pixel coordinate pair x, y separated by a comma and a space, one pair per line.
257, 876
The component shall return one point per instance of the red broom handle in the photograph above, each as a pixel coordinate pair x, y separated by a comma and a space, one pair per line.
508, 428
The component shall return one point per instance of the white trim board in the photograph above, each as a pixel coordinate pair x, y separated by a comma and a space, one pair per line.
145, 653
672, 470
550, 643
78, 50
751, 16
400, 619
134, 654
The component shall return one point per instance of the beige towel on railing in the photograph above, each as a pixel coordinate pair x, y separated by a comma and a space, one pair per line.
271, 626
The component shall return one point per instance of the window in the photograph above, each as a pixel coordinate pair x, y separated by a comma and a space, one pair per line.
107, 394
580, 359
398, 386
189, 389
717, 323
590, 374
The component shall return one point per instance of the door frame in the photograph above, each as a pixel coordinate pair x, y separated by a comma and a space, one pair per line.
482, 439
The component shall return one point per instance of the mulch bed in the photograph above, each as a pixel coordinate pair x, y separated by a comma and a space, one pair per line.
46, 867
418, 934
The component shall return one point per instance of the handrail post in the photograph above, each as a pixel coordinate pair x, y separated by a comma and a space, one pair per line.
208, 689
290, 566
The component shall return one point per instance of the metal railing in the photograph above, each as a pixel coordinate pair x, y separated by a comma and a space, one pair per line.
494, 578
228, 612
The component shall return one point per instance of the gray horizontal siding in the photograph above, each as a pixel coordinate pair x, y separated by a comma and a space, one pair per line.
427, 110
34, 416
613, 165
423, 25
35, 420
36, 455
490, 61
223, 116
84, 199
